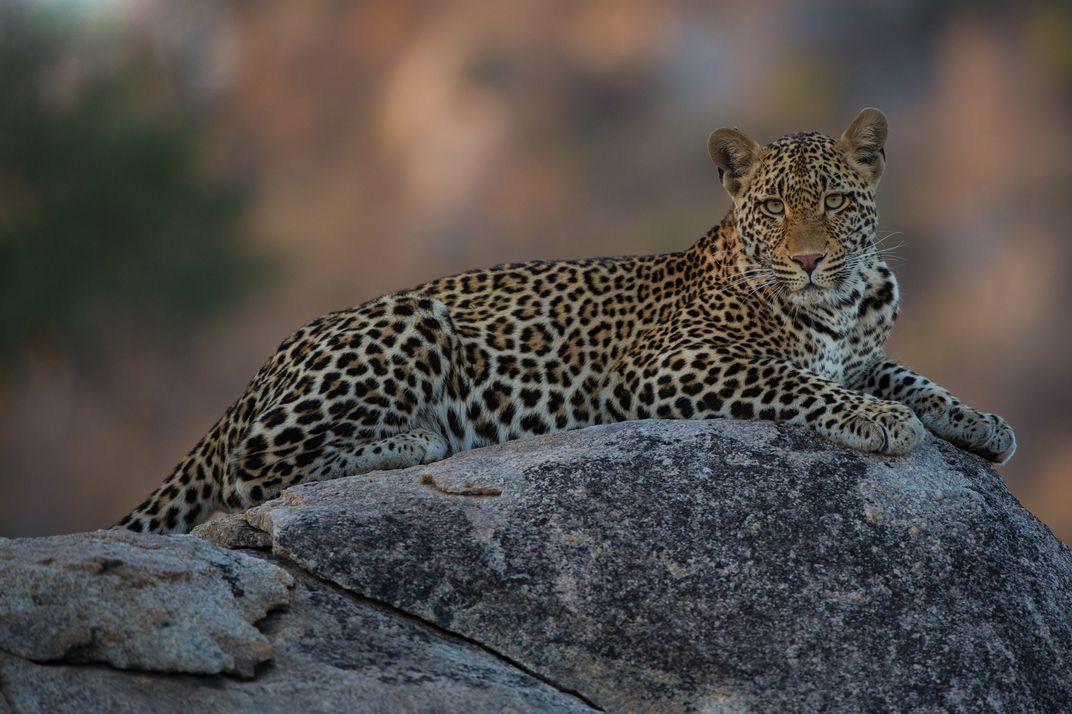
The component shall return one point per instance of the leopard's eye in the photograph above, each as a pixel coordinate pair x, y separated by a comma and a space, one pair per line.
774, 206
834, 201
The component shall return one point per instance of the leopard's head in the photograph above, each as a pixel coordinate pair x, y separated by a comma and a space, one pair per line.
804, 207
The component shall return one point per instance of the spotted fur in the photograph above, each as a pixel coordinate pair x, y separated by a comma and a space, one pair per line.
780, 312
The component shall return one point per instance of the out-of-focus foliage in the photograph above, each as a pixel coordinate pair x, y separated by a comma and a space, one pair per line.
106, 216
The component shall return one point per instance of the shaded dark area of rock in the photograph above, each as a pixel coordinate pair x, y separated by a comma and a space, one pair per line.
721, 566
332, 653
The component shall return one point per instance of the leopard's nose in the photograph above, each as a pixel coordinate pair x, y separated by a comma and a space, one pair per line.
808, 261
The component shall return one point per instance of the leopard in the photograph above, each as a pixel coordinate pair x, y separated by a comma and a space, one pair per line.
779, 312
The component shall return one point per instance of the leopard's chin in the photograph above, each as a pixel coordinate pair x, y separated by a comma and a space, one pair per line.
817, 296
813, 295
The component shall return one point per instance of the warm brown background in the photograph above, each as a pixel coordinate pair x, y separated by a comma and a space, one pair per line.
379, 144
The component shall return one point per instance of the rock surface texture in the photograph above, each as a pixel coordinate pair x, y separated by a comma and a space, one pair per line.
150, 603
650, 566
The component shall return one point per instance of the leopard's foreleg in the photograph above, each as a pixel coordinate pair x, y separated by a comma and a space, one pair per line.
987, 435
710, 384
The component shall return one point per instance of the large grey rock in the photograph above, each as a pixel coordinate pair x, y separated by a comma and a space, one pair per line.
333, 653
136, 602
720, 566
657, 566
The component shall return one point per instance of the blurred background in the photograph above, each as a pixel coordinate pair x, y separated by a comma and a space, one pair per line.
183, 184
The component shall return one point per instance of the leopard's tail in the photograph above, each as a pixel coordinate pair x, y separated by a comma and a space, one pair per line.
192, 491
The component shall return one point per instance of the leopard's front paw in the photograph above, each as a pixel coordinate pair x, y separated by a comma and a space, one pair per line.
883, 428
986, 435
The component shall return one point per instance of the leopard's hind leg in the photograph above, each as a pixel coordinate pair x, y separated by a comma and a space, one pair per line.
375, 387
372, 393
257, 477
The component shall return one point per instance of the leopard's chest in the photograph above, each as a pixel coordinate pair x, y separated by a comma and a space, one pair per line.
835, 346
836, 343
819, 353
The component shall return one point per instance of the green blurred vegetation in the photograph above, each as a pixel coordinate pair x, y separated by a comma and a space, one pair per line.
108, 218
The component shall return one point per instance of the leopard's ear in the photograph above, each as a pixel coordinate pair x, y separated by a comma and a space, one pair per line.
863, 143
735, 155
